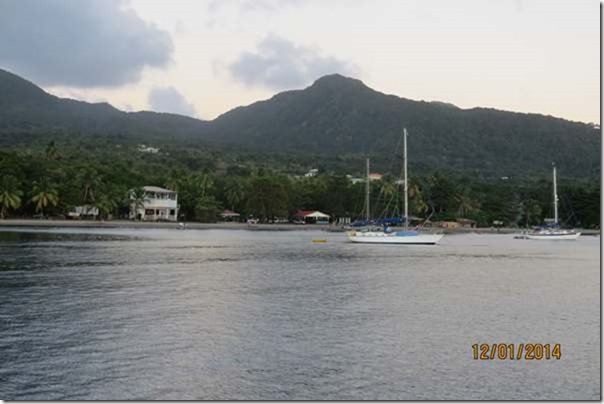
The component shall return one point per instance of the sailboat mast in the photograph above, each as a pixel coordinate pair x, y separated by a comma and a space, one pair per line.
405, 178
555, 197
367, 192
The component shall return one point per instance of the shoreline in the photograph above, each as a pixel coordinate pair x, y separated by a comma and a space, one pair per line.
111, 224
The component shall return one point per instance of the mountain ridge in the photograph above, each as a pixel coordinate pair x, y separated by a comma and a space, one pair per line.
335, 117
336, 113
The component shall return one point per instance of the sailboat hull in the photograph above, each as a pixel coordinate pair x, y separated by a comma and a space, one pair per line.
554, 236
393, 238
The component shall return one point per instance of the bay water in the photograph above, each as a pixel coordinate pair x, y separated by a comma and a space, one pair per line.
119, 314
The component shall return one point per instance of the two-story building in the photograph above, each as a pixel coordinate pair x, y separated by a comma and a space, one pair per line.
159, 204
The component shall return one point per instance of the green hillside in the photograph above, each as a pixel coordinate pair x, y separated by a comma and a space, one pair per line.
339, 116
332, 124
486, 165
27, 113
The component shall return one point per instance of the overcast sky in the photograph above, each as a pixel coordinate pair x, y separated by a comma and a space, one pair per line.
202, 58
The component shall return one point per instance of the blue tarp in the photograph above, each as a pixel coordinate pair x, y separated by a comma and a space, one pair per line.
386, 221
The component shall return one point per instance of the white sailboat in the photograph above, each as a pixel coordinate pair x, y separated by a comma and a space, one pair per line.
393, 237
554, 232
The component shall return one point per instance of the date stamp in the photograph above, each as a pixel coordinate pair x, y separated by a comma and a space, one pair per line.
518, 352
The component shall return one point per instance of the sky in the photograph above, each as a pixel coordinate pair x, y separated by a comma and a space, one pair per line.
202, 58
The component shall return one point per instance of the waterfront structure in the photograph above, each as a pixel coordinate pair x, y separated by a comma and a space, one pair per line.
228, 215
311, 216
159, 204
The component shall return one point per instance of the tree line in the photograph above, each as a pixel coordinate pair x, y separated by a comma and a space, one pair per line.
51, 182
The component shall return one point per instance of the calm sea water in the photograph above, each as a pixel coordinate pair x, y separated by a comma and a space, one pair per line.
222, 314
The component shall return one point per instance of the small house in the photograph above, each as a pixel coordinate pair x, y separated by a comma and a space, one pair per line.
159, 204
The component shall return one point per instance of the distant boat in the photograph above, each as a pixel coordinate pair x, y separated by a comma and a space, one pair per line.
386, 236
547, 233
553, 232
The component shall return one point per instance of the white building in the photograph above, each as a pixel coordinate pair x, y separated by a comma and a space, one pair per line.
159, 204
311, 216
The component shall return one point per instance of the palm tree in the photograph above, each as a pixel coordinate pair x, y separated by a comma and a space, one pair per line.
10, 194
388, 190
418, 203
90, 181
138, 197
204, 183
235, 192
108, 200
174, 182
106, 205
388, 195
43, 195
465, 203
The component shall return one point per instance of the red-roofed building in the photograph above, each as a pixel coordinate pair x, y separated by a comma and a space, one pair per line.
312, 216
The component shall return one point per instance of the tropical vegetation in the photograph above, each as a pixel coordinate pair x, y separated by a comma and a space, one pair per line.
36, 182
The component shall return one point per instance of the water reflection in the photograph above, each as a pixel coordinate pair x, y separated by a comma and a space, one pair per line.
162, 314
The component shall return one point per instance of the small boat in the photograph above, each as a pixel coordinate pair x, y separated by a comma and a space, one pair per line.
386, 236
553, 232
398, 237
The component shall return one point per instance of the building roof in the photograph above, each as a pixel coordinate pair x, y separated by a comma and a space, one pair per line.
229, 213
150, 188
310, 213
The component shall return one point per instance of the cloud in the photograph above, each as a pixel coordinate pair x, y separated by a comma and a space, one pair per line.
79, 43
221, 13
252, 5
168, 99
281, 64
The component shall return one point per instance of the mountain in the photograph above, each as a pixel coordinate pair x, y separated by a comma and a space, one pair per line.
336, 118
27, 109
338, 115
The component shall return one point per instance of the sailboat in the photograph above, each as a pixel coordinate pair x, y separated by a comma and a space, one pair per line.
392, 237
553, 232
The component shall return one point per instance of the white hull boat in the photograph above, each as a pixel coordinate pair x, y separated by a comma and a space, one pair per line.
555, 232
386, 236
400, 237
